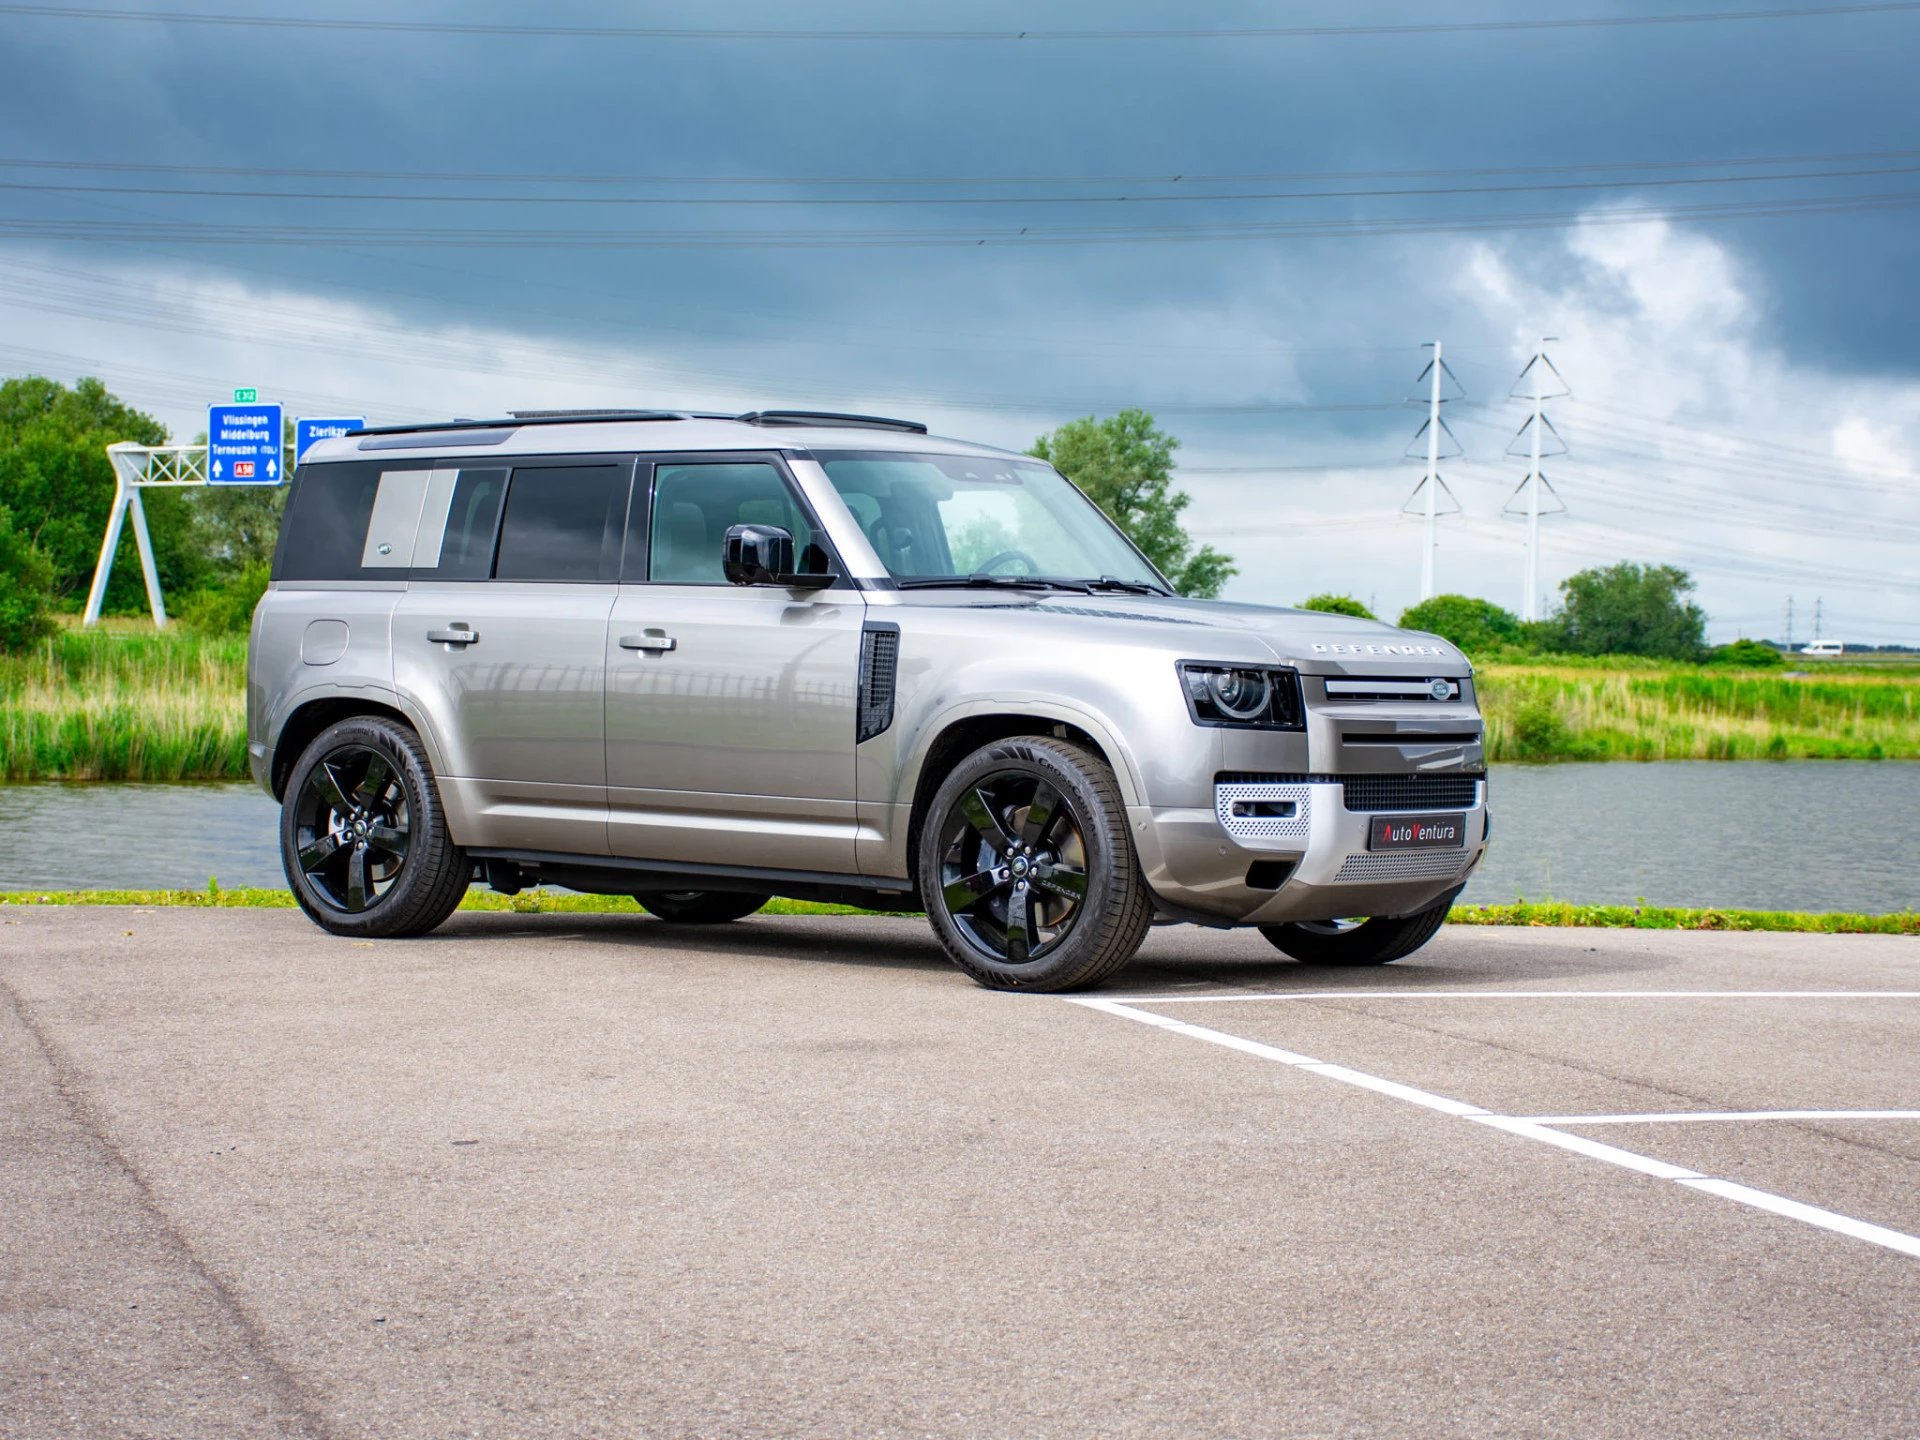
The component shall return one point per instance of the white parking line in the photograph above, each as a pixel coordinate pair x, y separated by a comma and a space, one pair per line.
1523, 995
1681, 1116
1524, 1127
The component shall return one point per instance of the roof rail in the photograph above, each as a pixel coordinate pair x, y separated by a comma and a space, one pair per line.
516, 418
556, 417
829, 417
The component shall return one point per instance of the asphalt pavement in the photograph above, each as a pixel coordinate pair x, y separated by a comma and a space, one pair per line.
598, 1176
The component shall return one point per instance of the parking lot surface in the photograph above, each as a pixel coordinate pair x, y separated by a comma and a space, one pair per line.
593, 1175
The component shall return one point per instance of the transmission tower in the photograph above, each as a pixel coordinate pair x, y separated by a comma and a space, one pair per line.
1539, 382
1427, 494
1789, 622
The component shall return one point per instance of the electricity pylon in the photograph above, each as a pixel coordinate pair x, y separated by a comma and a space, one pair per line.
1539, 382
1431, 485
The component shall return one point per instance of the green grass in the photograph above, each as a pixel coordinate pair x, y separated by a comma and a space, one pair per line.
124, 703
527, 902
1548, 914
1628, 710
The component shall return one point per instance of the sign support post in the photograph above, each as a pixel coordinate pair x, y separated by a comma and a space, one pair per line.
137, 468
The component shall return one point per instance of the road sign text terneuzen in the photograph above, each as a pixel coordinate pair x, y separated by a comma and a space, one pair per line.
306, 432
244, 445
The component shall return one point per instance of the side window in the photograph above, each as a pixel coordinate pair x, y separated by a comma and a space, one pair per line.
695, 505
340, 516
458, 523
563, 522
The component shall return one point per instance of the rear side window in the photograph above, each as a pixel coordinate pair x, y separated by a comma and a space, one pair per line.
563, 523
458, 524
328, 532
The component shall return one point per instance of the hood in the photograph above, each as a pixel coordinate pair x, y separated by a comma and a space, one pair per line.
1312, 640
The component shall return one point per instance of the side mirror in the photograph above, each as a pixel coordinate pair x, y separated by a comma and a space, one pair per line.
763, 555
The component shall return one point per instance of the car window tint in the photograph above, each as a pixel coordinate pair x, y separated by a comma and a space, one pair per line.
466, 551
557, 523
324, 533
695, 505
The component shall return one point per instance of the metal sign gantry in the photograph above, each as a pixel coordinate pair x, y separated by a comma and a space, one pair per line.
137, 468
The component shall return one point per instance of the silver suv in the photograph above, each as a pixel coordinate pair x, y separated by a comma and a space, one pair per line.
704, 660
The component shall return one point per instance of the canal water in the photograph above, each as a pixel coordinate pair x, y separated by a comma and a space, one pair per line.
1796, 835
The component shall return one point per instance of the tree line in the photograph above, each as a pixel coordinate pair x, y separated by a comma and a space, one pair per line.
213, 546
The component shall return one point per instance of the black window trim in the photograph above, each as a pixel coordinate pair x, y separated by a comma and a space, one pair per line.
653, 463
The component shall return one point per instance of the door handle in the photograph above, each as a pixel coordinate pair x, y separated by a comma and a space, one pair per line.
652, 640
457, 635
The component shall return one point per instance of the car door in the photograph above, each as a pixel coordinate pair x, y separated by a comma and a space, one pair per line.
730, 709
501, 639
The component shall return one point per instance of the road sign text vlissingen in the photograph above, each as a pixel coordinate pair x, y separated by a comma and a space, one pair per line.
244, 445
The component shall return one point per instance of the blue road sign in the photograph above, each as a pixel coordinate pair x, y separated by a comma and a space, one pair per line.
245, 445
305, 432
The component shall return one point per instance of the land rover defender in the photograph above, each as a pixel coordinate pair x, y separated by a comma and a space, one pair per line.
705, 660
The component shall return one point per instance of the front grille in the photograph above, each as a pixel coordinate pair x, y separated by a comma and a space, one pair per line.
1414, 865
1395, 689
1370, 794
1375, 794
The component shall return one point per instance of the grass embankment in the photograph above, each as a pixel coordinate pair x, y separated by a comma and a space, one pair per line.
1549, 914
122, 703
125, 703
1618, 709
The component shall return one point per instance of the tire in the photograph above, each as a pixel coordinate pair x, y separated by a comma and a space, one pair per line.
363, 836
1379, 941
699, 907
996, 877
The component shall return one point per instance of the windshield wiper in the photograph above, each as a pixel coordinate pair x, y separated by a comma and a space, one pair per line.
1126, 587
994, 582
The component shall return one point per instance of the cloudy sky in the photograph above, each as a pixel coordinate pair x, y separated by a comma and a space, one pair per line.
426, 209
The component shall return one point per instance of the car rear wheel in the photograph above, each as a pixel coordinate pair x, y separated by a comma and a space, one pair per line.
1375, 941
1027, 870
699, 907
363, 838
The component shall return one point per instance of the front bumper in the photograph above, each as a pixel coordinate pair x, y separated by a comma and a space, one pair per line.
1311, 864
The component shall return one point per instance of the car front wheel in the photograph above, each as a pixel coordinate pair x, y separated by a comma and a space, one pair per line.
363, 839
1027, 870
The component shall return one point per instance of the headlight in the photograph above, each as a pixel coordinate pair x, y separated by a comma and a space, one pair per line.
1267, 698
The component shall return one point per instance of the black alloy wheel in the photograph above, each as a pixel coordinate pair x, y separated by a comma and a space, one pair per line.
1013, 866
1027, 869
352, 828
363, 835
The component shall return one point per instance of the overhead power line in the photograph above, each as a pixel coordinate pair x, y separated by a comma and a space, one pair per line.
1178, 198
732, 33
508, 177
240, 232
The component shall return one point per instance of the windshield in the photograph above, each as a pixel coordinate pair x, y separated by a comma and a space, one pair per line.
935, 518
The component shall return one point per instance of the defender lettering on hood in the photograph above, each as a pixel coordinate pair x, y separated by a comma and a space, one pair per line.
1332, 649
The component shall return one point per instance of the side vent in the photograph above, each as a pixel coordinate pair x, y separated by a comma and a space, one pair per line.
879, 665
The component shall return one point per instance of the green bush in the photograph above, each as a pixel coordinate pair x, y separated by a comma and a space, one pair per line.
1630, 609
1475, 625
227, 608
1751, 654
26, 587
1539, 732
1338, 605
